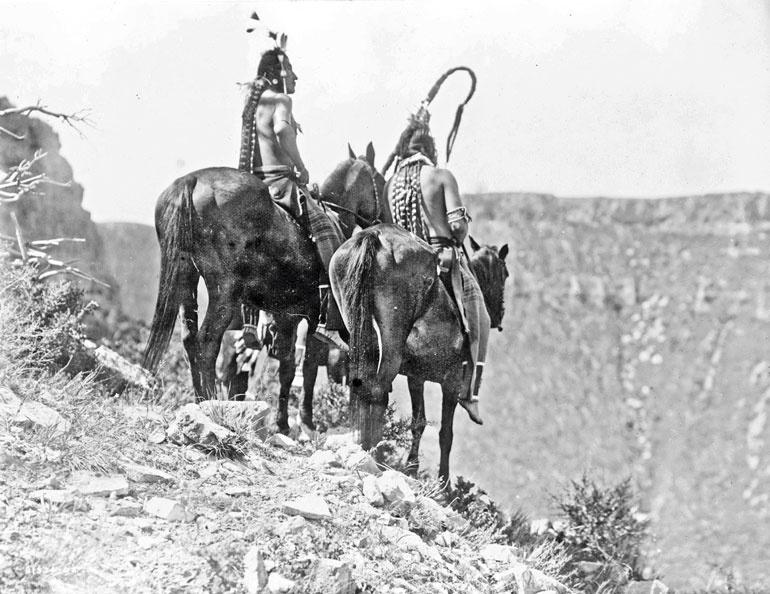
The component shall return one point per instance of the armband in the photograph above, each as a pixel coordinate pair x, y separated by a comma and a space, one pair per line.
458, 214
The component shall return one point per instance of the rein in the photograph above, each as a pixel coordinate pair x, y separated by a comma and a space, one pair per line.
338, 208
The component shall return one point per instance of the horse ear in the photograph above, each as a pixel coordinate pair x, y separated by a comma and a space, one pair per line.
370, 154
503, 252
350, 152
476, 247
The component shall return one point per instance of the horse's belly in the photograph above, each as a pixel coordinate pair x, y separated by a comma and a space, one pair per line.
431, 354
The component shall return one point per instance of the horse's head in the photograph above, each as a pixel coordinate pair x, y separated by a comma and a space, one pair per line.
358, 189
488, 264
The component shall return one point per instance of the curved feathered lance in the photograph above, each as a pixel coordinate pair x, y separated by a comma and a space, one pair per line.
423, 116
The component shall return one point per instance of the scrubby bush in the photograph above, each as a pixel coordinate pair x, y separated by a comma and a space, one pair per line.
603, 523
331, 407
41, 323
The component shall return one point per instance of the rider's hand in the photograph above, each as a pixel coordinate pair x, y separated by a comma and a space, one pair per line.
303, 176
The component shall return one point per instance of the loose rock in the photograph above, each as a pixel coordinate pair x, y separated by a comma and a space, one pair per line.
282, 441
192, 426
396, 490
167, 509
312, 507
647, 587
330, 575
323, 458
30, 414
99, 486
147, 474
254, 572
276, 583
372, 491
496, 553
58, 496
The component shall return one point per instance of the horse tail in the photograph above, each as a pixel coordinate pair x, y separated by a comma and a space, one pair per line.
174, 225
358, 298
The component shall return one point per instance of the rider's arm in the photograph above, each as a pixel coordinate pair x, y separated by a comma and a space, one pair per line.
285, 129
458, 225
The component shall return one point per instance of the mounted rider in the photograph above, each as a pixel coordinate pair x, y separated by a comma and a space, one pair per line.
425, 200
269, 151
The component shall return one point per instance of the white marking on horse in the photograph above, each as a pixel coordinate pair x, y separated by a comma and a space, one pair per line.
379, 343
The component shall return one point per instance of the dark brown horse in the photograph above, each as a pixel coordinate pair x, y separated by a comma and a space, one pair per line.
402, 320
355, 189
221, 224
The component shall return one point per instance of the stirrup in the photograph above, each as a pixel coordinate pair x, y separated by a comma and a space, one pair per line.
471, 406
331, 337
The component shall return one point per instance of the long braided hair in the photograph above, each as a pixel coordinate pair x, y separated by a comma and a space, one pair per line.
269, 74
405, 189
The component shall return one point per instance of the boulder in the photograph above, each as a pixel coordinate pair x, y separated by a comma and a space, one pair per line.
312, 507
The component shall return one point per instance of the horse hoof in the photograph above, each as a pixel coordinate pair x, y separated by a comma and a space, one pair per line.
307, 421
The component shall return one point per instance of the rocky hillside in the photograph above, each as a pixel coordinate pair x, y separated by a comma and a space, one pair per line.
635, 345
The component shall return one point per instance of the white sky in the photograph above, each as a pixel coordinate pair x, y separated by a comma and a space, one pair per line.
614, 98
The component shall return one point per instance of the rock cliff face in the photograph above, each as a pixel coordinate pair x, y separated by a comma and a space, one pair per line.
57, 210
132, 257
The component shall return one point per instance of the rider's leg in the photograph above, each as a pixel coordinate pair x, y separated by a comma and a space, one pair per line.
326, 241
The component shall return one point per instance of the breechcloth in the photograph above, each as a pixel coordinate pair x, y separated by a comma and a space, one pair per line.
321, 224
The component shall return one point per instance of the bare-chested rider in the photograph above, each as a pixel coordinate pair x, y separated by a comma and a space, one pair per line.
277, 161
425, 199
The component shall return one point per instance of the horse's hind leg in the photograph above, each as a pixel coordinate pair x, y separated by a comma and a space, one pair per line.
188, 309
284, 349
309, 376
417, 394
446, 434
218, 316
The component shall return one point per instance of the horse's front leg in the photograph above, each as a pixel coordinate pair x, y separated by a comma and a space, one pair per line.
417, 394
446, 434
218, 316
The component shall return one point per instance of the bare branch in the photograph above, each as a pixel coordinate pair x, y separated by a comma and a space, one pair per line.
12, 134
71, 119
